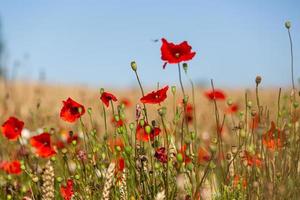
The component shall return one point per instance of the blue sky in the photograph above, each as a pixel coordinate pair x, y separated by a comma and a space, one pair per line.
93, 42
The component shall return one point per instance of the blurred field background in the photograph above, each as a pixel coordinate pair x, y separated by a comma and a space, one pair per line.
39, 103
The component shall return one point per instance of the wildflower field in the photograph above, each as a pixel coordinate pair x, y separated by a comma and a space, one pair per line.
168, 142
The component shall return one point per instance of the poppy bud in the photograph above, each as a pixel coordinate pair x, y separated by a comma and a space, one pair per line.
162, 111
35, 179
148, 129
185, 99
157, 165
74, 142
185, 67
214, 140
258, 80
128, 149
89, 111
101, 90
173, 89
212, 165
243, 133
122, 115
59, 179
64, 150
23, 167
117, 118
229, 102
133, 65
287, 24
193, 135
213, 147
179, 157
77, 176
142, 122
249, 104
118, 148
190, 166
131, 126
296, 104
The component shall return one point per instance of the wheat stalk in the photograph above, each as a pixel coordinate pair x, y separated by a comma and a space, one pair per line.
48, 182
108, 181
123, 187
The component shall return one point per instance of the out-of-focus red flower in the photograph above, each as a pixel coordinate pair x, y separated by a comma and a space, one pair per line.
273, 138
71, 110
252, 160
175, 53
215, 94
72, 137
59, 144
237, 179
203, 155
120, 164
142, 135
254, 122
67, 191
42, 144
118, 123
186, 158
161, 155
232, 109
189, 112
12, 128
107, 97
155, 97
13, 167
116, 143
126, 102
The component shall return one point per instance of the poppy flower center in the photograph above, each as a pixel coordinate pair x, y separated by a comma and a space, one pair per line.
74, 110
177, 55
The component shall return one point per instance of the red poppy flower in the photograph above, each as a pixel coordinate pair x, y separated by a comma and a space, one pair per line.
203, 155
252, 160
254, 122
107, 97
155, 97
67, 191
215, 95
186, 158
72, 137
71, 110
175, 53
126, 102
161, 155
42, 144
237, 179
142, 135
13, 167
189, 112
120, 165
118, 123
59, 144
12, 128
116, 143
273, 139
232, 109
